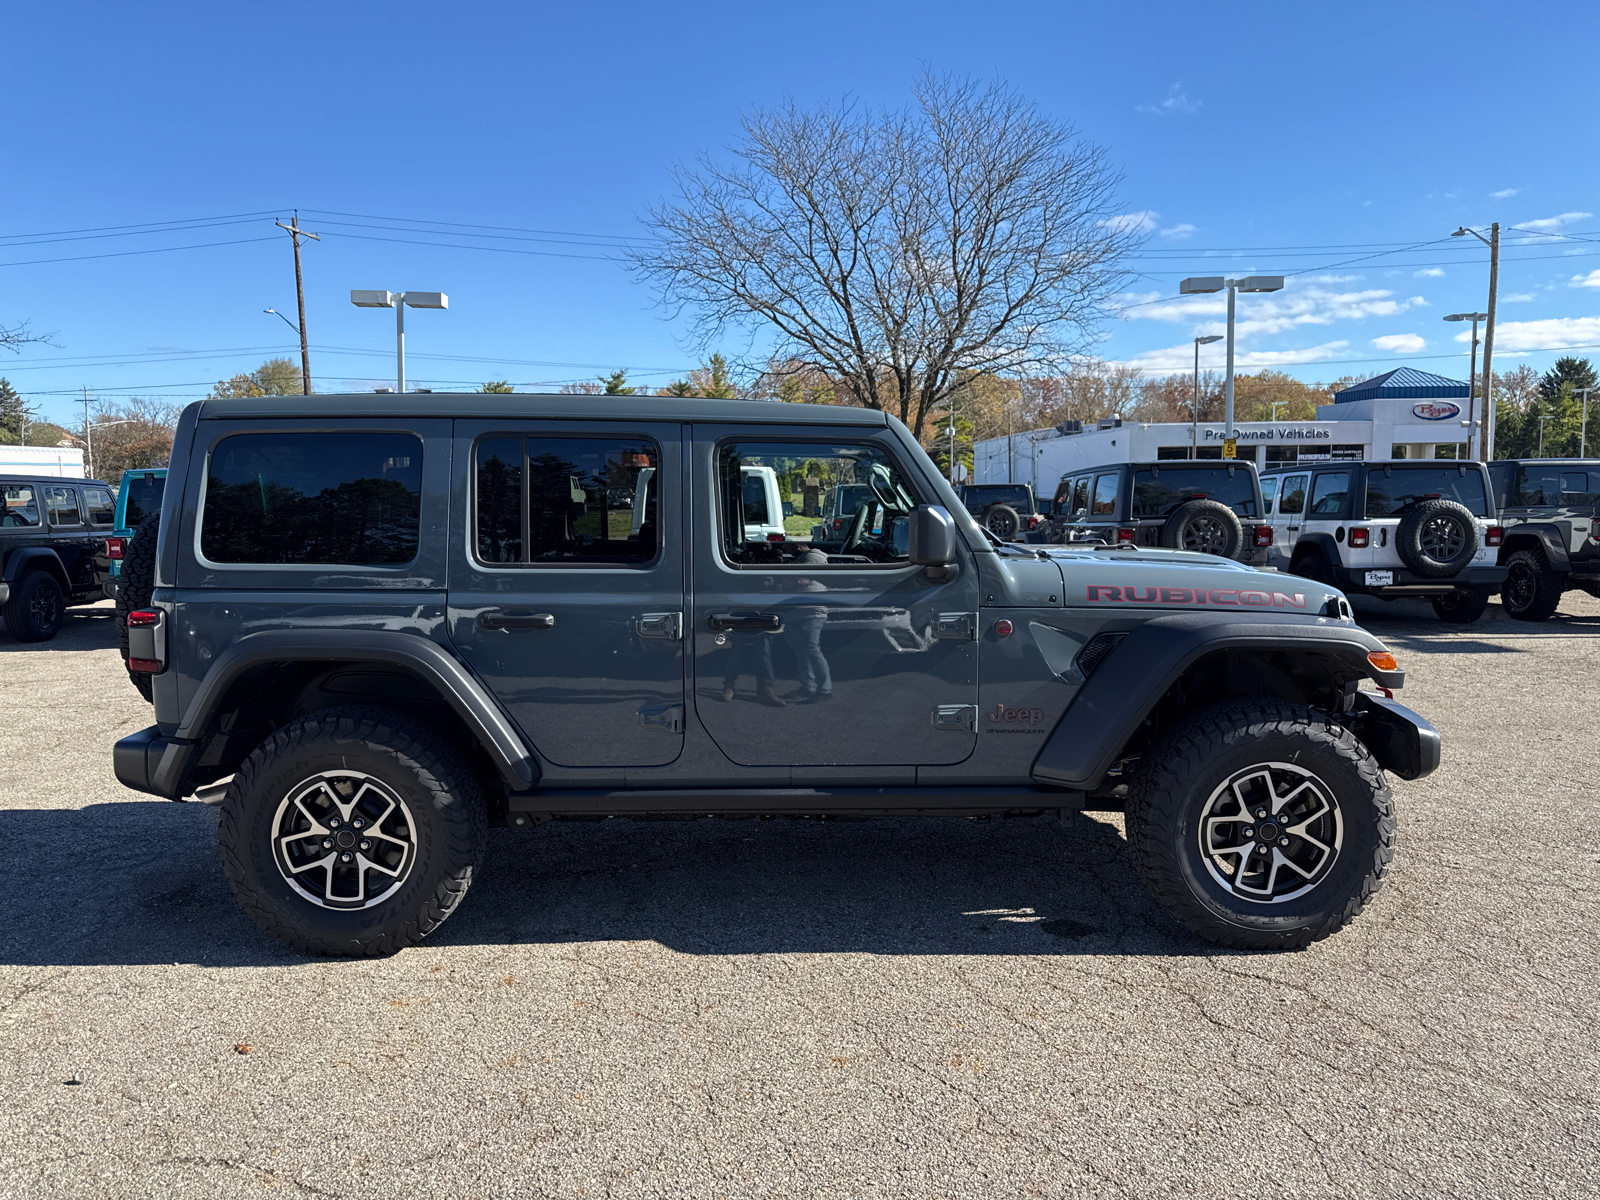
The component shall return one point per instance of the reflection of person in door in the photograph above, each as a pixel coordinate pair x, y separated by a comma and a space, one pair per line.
753, 652
816, 681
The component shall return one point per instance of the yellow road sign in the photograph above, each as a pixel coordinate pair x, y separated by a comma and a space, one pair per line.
1230, 447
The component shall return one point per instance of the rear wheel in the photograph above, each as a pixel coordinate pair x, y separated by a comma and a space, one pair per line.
1462, 607
1261, 825
352, 831
1314, 567
1532, 591
36, 608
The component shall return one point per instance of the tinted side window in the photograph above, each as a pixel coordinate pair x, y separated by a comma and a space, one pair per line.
101, 509
21, 508
754, 497
1080, 495
566, 499
1328, 494
1388, 495
291, 498
63, 505
1159, 493
1580, 487
1105, 496
1269, 490
144, 497
1293, 500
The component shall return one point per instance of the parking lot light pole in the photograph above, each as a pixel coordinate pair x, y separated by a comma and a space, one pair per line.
1200, 285
1583, 429
1472, 379
1194, 403
398, 302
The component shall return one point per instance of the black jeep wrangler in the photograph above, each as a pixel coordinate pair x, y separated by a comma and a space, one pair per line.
1550, 510
381, 624
1007, 510
1208, 507
52, 550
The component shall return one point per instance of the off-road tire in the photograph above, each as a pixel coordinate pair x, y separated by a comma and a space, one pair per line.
1462, 607
1532, 590
1003, 521
36, 608
1313, 566
425, 770
137, 585
1409, 538
1178, 775
1200, 524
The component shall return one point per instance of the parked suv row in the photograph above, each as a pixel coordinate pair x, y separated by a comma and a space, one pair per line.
1390, 529
1550, 509
52, 550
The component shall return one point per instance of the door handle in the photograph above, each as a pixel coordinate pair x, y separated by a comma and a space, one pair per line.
746, 622
498, 619
660, 625
1294, 529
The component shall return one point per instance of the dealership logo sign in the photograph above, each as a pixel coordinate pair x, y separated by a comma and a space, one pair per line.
1436, 410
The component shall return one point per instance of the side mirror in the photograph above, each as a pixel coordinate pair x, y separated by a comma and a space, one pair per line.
932, 537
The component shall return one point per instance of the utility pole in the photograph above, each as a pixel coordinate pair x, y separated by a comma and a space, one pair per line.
88, 432
1542, 420
295, 234
1583, 429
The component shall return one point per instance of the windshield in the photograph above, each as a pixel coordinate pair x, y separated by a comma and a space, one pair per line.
1392, 490
144, 497
980, 496
1157, 492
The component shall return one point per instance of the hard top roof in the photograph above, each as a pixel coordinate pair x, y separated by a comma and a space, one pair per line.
535, 404
1163, 464
14, 477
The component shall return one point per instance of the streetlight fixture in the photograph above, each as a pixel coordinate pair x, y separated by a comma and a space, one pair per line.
399, 301
1204, 284
1472, 377
1194, 404
282, 318
1275, 404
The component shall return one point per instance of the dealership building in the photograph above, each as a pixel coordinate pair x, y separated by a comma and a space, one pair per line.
1401, 414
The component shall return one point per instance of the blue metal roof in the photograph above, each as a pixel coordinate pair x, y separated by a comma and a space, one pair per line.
1403, 383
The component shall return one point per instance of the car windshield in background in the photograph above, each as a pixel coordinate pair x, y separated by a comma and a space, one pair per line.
144, 498
979, 498
1555, 485
1391, 490
1158, 493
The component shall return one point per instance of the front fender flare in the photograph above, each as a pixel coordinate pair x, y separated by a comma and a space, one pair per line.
1132, 678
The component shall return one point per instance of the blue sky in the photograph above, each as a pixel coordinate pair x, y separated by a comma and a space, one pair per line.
1315, 139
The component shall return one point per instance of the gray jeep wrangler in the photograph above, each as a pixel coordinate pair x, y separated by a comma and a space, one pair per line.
380, 624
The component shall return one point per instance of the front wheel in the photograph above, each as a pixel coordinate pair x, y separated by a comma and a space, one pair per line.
352, 831
1261, 825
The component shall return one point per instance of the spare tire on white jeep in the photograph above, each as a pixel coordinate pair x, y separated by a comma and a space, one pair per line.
1437, 538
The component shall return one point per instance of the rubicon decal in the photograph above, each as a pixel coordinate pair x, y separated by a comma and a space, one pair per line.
1102, 593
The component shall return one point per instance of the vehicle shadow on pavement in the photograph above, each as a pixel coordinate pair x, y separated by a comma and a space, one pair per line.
87, 628
140, 883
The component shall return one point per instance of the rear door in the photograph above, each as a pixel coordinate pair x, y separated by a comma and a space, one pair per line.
844, 655
567, 590
1290, 515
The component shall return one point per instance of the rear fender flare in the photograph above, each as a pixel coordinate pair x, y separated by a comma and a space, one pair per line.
37, 558
1106, 713
1547, 537
1323, 543
517, 766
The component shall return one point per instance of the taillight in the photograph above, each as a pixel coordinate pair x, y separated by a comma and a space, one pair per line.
1126, 536
143, 616
838, 522
1263, 535
1360, 538
114, 547
1033, 520
143, 619
1494, 535
775, 537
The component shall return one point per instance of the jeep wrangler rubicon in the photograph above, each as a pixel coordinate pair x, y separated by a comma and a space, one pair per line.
1550, 510
380, 624
1390, 529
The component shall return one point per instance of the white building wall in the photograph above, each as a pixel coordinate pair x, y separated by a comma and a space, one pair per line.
65, 462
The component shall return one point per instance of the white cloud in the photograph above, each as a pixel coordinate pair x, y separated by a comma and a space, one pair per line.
1504, 193
1592, 279
1181, 358
1300, 304
1556, 222
1177, 101
1179, 232
1332, 278
1516, 298
1134, 222
1400, 343
1554, 333
1430, 273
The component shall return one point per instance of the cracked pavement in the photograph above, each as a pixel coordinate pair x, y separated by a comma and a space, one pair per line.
784, 1008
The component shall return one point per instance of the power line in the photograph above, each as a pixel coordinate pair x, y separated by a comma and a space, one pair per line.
139, 227
126, 253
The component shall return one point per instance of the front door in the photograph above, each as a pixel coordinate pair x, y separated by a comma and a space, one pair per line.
566, 595
835, 652
1290, 516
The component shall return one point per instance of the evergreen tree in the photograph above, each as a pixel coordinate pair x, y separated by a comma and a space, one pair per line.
13, 413
678, 387
617, 383
712, 380
1578, 372
496, 387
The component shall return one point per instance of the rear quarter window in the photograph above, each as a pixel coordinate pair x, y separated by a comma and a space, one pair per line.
335, 498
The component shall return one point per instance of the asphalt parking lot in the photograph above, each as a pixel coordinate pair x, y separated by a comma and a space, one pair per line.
786, 1008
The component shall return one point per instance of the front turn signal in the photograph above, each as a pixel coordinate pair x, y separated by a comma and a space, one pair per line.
1383, 660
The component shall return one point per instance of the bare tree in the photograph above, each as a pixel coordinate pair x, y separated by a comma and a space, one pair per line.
14, 337
899, 252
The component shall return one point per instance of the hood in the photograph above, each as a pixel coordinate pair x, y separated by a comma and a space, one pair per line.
1180, 579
